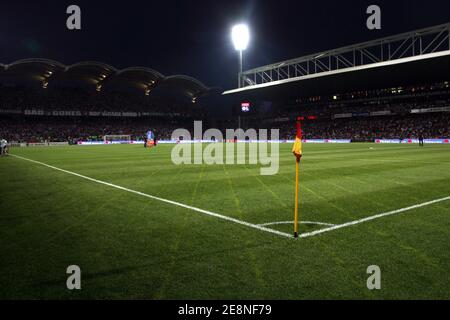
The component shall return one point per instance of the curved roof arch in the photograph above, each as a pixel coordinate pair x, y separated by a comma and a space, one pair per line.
140, 77
102, 75
43, 61
141, 69
36, 69
90, 71
92, 64
187, 85
181, 77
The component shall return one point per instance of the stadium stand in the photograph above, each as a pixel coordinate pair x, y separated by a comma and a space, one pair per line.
43, 100
392, 113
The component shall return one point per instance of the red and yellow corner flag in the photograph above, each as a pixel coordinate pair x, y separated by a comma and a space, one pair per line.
297, 148
297, 151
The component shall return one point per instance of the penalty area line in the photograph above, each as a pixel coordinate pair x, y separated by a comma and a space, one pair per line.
380, 215
182, 205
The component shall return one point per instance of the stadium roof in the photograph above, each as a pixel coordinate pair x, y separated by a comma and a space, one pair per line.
101, 75
412, 71
405, 59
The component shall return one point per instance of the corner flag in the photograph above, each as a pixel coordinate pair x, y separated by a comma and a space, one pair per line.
297, 148
297, 151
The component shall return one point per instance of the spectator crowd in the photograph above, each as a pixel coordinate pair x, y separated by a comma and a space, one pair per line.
370, 128
357, 125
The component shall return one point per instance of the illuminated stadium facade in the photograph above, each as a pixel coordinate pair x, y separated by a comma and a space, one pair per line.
380, 84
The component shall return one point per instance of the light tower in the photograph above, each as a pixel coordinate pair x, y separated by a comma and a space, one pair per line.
240, 36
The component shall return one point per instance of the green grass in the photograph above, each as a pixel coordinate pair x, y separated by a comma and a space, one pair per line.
129, 246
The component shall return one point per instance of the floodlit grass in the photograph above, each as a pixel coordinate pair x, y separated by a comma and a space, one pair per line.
129, 246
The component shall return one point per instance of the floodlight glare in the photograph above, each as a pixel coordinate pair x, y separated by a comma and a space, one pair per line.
240, 36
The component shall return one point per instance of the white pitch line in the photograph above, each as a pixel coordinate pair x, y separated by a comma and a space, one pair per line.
351, 223
403, 160
251, 225
301, 222
209, 213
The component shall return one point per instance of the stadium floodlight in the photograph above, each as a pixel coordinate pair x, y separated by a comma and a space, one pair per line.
240, 36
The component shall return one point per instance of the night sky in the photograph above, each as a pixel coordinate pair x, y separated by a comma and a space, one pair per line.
192, 37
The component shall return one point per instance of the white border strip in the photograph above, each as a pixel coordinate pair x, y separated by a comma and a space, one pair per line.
209, 213
385, 214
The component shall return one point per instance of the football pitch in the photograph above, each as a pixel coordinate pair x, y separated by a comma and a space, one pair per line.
140, 227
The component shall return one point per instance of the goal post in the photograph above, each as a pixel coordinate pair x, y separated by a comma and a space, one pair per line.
117, 138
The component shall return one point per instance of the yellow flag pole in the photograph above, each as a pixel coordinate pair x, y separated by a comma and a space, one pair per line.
297, 169
297, 150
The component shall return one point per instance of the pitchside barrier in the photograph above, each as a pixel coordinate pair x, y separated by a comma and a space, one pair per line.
319, 141
433, 141
85, 143
38, 144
